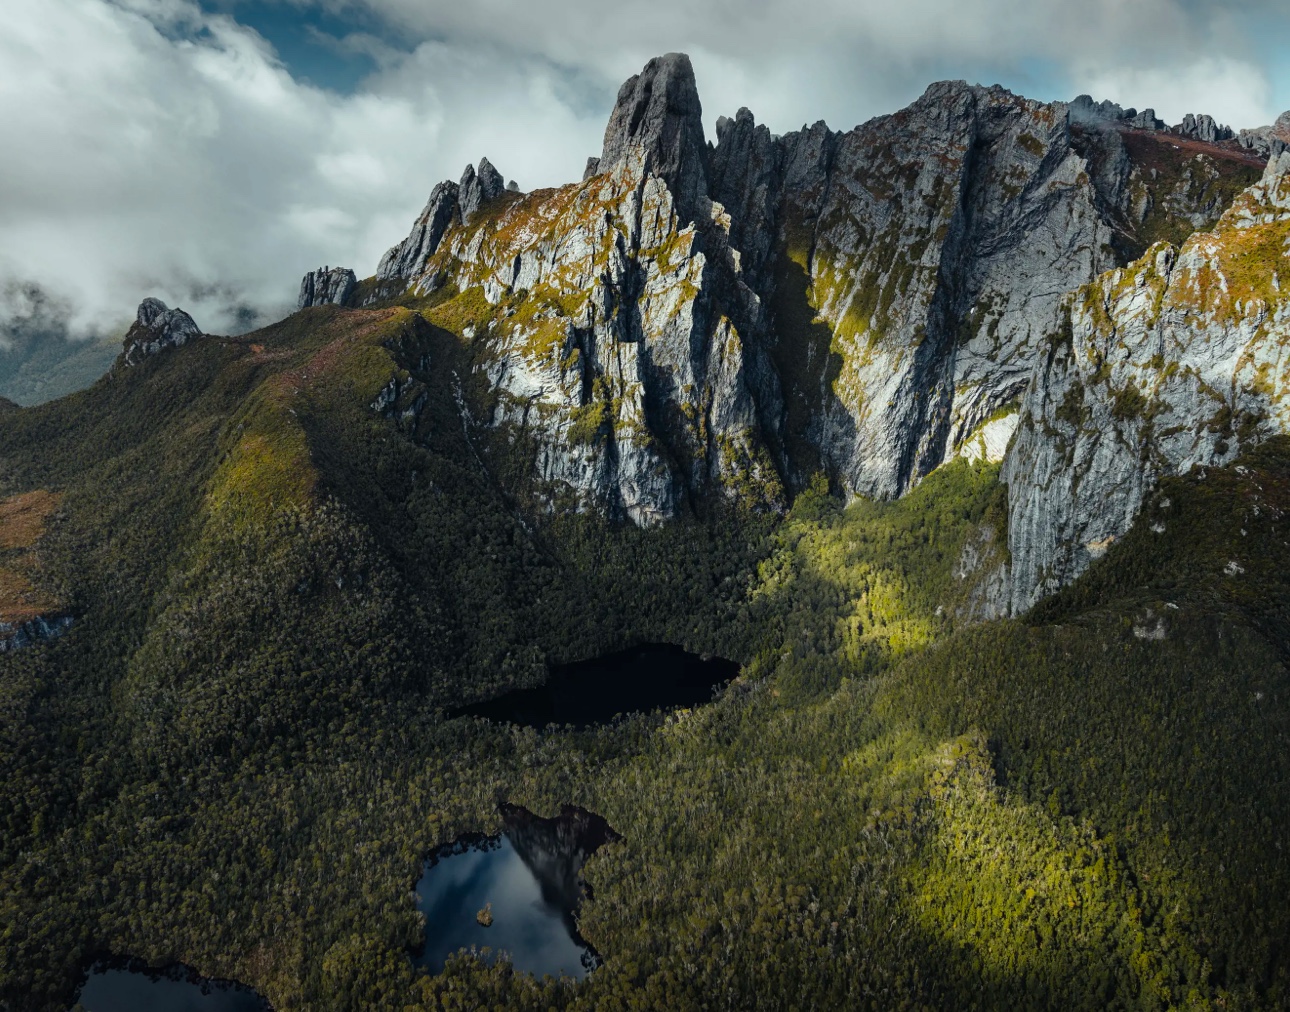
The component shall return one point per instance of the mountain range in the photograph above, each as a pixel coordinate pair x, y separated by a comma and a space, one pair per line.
731, 318
962, 432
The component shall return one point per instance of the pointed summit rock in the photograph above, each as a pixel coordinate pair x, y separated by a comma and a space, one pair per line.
157, 327
657, 127
477, 188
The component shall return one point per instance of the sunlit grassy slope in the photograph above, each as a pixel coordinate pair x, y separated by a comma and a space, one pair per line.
287, 553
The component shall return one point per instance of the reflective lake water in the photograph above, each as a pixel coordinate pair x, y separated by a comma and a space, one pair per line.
589, 692
527, 880
130, 986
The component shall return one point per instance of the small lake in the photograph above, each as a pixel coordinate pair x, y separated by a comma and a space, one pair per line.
590, 692
131, 986
517, 892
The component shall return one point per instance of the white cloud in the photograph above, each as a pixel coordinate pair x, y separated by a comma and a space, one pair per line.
1232, 92
172, 155
847, 60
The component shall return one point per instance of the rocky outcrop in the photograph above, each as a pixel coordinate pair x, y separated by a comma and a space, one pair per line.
611, 320
156, 328
1085, 112
408, 259
40, 629
1268, 141
1178, 361
1203, 128
657, 129
477, 188
327, 286
694, 319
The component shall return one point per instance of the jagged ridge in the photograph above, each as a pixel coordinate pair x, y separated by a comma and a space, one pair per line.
730, 318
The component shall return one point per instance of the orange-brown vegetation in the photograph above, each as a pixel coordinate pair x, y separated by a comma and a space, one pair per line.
23, 519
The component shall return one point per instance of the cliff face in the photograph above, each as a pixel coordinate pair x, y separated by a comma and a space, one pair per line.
326, 286
611, 318
1175, 362
694, 319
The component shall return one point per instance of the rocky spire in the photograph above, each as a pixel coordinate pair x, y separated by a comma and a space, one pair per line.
657, 127
326, 286
477, 188
408, 258
155, 328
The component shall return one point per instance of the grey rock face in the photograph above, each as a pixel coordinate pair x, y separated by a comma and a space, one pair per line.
731, 318
1145, 120
477, 188
745, 174
657, 129
37, 630
408, 259
156, 328
911, 265
1268, 141
1085, 112
326, 286
1203, 128
1175, 362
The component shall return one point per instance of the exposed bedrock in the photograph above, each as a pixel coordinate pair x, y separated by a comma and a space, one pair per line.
697, 318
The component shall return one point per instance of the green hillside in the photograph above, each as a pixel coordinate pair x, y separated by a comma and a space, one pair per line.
288, 553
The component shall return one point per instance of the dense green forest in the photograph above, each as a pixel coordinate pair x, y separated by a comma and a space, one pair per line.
287, 555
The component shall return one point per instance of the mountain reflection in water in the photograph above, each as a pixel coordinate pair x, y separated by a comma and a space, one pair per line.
528, 878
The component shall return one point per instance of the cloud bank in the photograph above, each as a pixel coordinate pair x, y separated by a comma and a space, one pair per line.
157, 150
159, 147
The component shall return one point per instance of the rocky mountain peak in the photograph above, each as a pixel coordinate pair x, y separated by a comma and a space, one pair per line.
478, 187
657, 127
155, 328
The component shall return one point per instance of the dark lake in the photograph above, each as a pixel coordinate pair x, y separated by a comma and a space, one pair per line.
130, 986
642, 679
528, 879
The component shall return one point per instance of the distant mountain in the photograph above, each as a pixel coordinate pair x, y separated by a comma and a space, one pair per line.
50, 366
